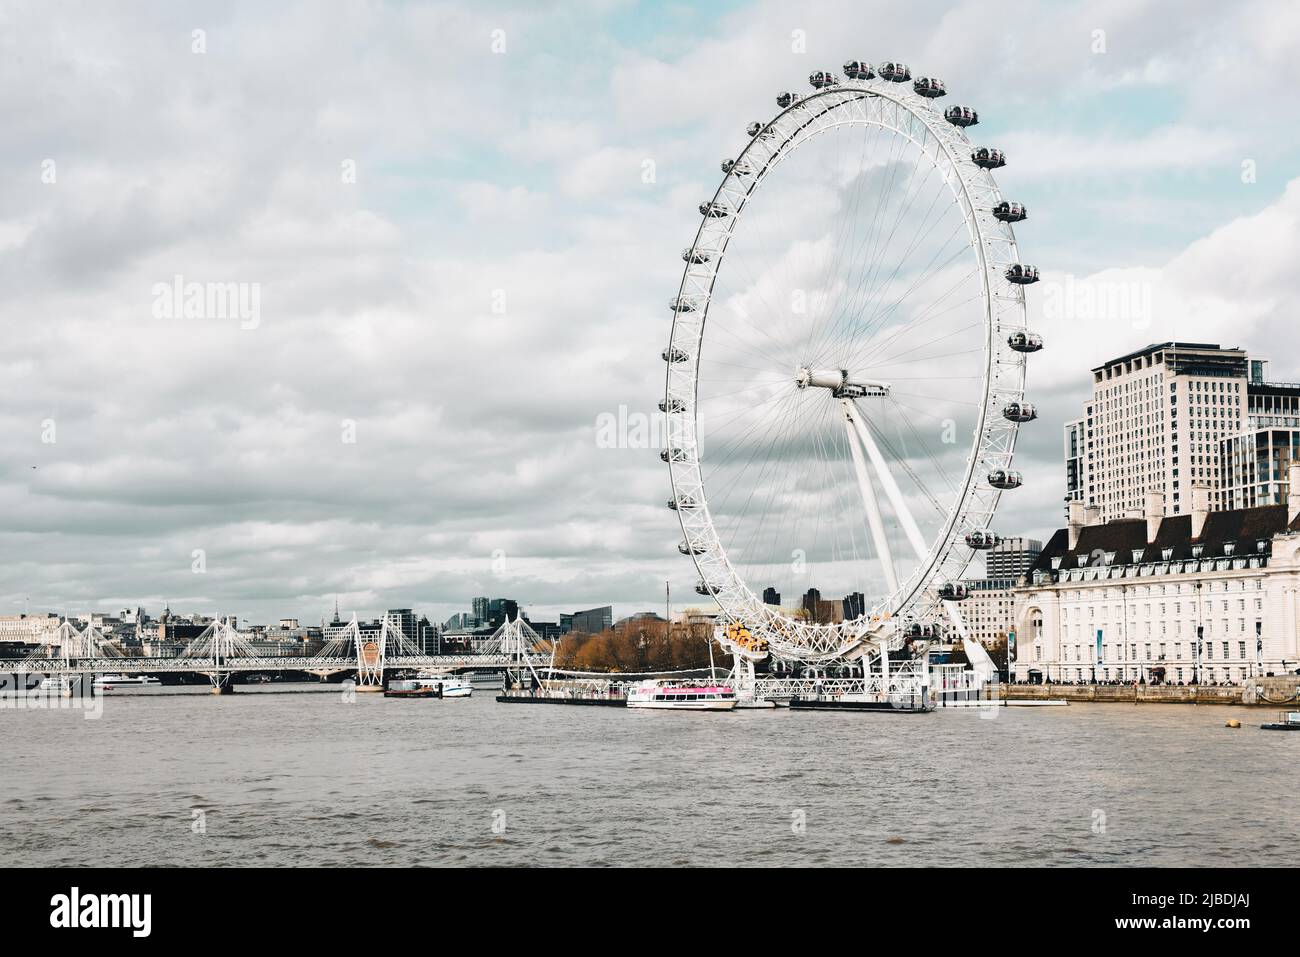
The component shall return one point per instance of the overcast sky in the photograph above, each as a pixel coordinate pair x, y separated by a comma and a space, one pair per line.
460, 265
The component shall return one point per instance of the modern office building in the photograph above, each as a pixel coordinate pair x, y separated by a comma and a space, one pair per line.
771, 596
855, 605
593, 621
1012, 557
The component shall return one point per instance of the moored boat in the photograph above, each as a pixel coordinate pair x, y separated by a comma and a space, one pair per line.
118, 682
1286, 721
446, 685
410, 688
670, 696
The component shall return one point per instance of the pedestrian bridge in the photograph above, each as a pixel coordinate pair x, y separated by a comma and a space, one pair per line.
222, 651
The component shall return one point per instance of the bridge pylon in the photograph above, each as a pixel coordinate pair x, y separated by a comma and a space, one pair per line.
213, 649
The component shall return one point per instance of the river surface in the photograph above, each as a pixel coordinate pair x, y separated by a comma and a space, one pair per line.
299, 775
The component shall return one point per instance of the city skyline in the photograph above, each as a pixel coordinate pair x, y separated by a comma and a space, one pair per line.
205, 445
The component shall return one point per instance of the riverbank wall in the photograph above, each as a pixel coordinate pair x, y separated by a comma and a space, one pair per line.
1273, 692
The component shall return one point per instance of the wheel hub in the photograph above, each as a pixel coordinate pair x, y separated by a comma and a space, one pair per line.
840, 384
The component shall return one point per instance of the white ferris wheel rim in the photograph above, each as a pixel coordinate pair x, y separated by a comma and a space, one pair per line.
974, 193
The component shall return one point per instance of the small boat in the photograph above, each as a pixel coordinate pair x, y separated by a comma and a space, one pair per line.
1286, 721
447, 686
118, 682
670, 696
410, 688
59, 684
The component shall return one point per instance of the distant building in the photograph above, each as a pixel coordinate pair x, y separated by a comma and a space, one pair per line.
29, 629
593, 621
855, 606
1011, 557
404, 620
479, 610
989, 612
771, 596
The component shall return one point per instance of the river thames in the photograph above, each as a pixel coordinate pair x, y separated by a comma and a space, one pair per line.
297, 775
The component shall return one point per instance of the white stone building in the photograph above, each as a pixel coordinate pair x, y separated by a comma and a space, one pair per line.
1208, 596
30, 629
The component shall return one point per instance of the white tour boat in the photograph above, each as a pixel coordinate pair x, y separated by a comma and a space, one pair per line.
453, 686
672, 696
118, 682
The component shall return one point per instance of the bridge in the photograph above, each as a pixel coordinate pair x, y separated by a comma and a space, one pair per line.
221, 651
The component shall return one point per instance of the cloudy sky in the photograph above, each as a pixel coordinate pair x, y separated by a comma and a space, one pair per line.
460, 265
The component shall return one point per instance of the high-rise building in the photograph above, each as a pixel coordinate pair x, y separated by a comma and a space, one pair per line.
404, 620
1179, 414
1012, 557
771, 596
855, 605
592, 621
1076, 457
1255, 462
479, 609
1154, 423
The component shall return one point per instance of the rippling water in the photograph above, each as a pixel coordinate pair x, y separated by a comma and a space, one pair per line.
297, 776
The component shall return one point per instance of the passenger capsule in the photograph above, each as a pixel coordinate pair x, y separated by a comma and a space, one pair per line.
740, 169
1010, 212
787, 100
1025, 341
671, 406
1021, 275
685, 504
961, 116
674, 455
894, 72
682, 304
982, 540
714, 210
859, 70
674, 355
987, 158
701, 588
929, 87
1019, 412
695, 256
823, 78
753, 129
1005, 479
686, 548
953, 592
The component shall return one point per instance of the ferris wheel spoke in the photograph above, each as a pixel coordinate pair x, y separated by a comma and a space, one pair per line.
784, 431
871, 277
870, 249
849, 221
927, 314
897, 358
874, 322
730, 447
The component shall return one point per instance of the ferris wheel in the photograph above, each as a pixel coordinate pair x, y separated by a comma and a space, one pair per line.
846, 370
